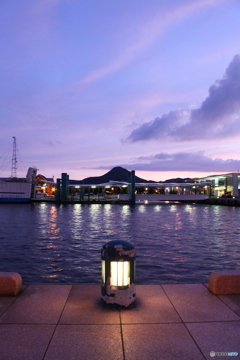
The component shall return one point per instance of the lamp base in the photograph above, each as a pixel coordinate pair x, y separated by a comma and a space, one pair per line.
122, 297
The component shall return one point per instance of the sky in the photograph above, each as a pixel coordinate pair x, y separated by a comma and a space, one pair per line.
149, 85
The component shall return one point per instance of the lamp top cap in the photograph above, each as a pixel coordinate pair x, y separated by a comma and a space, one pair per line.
122, 243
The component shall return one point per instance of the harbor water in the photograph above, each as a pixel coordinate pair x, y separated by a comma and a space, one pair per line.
175, 243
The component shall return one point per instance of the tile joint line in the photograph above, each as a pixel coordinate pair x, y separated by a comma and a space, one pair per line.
16, 299
218, 296
50, 340
183, 322
121, 330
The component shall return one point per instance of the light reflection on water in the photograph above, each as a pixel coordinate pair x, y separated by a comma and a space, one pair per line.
157, 208
174, 242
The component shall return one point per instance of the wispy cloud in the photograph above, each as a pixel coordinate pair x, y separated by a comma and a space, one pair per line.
44, 7
217, 117
147, 35
34, 23
52, 143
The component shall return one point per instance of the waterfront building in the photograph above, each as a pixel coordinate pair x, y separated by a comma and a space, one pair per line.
226, 185
123, 191
213, 186
45, 186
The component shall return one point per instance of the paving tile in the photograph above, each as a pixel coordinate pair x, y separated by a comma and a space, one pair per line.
152, 306
38, 304
24, 342
5, 302
194, 302
217, 337
88, 342
233, 301
84, 307
160, 342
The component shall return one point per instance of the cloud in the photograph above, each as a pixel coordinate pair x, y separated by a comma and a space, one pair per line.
217, 117
52, 143
183, 161
149, 32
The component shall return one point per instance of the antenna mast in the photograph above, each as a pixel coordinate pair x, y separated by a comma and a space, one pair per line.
14, 159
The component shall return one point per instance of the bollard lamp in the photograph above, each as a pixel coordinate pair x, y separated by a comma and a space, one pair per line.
118, 272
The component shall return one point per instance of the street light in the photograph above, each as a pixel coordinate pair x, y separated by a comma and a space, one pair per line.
118, 272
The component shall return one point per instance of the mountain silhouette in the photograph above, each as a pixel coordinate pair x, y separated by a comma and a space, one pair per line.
176, 180
117, 174
120, 174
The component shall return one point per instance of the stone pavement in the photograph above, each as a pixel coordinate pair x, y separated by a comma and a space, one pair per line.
69, 322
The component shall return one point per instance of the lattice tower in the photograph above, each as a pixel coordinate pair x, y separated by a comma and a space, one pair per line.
14, 159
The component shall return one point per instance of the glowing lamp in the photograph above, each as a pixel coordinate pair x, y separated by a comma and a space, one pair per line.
118, 272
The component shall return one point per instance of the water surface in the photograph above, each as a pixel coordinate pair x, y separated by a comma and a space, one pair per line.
174, 242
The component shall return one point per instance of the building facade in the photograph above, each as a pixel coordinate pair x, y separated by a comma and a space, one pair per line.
224, 185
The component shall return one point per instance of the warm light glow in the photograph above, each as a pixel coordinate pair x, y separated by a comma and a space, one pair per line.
120, 273
103, 271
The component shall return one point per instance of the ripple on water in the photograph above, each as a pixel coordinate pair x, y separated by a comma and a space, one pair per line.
175, 243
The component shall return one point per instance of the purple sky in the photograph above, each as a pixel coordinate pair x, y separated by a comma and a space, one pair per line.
153, 86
